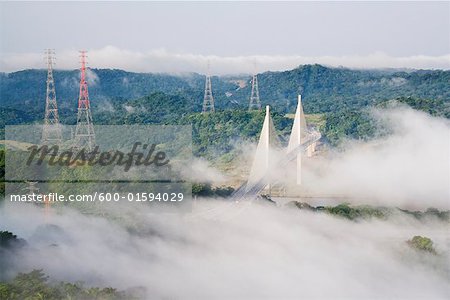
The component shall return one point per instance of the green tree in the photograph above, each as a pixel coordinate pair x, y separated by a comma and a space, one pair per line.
422, 243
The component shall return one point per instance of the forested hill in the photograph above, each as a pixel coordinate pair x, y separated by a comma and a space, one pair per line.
332, 89
323, 89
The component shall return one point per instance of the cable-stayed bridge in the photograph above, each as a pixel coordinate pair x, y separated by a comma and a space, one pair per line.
302, 140
269, 155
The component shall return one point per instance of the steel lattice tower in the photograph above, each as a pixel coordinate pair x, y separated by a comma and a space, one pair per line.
51, 131
208, 99
255, 103
84, 132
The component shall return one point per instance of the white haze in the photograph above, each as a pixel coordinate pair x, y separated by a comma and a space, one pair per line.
244, 251
200, 170
407, 168
247, 250
161, 60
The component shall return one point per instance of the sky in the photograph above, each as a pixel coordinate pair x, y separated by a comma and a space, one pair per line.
235, 37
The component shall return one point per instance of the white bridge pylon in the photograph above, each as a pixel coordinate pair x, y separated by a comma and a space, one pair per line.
267, 156
298, 134
264, 155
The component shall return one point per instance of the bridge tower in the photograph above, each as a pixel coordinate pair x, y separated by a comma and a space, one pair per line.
267, 145
255, 103
266, 165
51, 131
84, 131
208, 99
298, 133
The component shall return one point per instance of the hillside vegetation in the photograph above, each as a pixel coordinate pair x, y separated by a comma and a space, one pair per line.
323, 89
335, 99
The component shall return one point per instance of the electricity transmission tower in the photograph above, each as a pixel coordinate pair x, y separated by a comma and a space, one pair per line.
51, 131
255, 103
208, 100
84, 132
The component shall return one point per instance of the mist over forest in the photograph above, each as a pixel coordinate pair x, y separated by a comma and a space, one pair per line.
224, 150
383, 157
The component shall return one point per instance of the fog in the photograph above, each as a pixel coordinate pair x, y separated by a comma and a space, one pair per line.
200, 170
249, 249
408, 167
165, 61
245, 251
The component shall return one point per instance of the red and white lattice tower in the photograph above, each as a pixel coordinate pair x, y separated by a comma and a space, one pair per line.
51, 131
84, 132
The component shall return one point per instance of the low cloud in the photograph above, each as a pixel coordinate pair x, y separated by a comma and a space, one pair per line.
200, 170
104, 105
409, 168
130, 109
161, 60
232, 251
91, 77
244, 249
